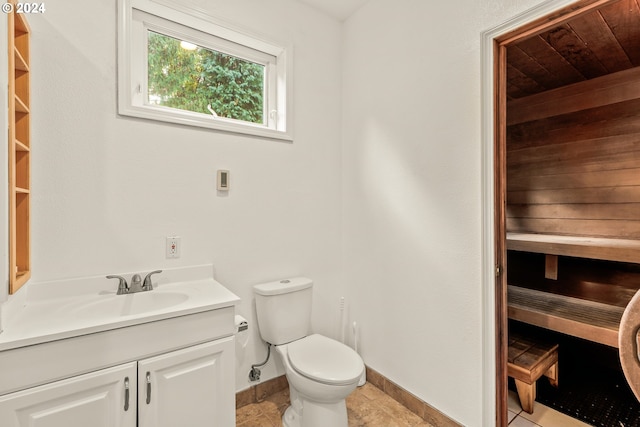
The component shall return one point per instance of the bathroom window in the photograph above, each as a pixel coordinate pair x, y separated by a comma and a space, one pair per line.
185, 68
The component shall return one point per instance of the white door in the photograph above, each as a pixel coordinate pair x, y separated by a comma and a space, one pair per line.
192, 387
105, 398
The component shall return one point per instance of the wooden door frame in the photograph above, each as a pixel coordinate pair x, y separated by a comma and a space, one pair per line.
494, 111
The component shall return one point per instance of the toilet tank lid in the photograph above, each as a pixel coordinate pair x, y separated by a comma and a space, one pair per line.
283, 286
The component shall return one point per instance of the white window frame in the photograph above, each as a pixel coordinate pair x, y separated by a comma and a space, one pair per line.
137, 17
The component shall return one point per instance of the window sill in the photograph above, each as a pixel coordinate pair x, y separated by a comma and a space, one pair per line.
197, 120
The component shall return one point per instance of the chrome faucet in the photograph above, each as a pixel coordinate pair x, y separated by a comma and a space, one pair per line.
147, 285
123, 288
137, 284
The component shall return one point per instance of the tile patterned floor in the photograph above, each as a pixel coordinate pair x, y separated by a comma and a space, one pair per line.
542, 416
367, 406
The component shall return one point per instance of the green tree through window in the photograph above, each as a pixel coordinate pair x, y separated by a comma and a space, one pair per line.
204, 81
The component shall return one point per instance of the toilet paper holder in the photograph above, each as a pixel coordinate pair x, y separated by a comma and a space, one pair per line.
241, 323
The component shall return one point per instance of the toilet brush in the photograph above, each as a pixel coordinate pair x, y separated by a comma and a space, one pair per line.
363, 377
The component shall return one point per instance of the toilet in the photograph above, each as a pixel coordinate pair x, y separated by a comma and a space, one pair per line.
321, 371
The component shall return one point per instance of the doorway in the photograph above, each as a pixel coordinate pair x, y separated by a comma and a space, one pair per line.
555, 46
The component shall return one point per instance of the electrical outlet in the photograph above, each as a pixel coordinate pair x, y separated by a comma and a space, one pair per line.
173, 247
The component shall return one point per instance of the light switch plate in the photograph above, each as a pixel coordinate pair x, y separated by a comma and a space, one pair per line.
223, 180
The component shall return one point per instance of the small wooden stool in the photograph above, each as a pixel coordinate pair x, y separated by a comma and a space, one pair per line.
529, 359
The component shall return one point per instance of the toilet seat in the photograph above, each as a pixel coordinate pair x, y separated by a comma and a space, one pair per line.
325, 360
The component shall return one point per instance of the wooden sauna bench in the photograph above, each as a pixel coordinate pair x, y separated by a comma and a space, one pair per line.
591, 320
623, 250
591, 311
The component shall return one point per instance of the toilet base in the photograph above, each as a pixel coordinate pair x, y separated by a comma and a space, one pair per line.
290, 418
314, 414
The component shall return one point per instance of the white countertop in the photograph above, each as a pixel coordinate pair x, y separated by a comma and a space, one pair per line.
55, 310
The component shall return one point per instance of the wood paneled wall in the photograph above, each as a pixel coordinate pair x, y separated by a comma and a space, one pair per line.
573, 159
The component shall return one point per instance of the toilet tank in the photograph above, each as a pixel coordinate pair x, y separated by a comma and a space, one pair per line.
284, 309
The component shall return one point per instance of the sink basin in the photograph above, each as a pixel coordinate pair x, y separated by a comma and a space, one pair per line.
68, 308
131, 304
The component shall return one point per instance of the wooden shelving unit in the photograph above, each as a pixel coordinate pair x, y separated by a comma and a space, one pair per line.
622, 250
19, 151
582, 318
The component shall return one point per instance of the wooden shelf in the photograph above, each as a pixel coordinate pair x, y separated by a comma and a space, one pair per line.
21, 146
622, 250
20, 63
590, 320
19, 151
21, 107
21, 26
22, 277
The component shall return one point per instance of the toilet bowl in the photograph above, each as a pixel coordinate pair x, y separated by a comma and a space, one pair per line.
321, 371
321, 374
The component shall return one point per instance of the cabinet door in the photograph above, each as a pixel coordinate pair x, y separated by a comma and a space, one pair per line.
97, 399
192, 387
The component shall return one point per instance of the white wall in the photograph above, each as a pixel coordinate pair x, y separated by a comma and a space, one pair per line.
108, 189
412, 193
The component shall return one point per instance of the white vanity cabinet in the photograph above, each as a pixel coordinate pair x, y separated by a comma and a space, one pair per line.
187, 387
105, 398
75, 354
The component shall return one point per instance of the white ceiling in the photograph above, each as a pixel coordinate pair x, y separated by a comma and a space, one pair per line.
339, 9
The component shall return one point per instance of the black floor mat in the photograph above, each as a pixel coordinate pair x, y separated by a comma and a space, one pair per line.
592, 387
600, 398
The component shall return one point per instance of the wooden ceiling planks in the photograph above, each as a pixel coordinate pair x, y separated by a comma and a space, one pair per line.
561, 72
623, 18
591, 45
594, 31
575, 51
528, 66
523, 83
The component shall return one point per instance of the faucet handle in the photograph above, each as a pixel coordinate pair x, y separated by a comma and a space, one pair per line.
147, 285
123, 288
